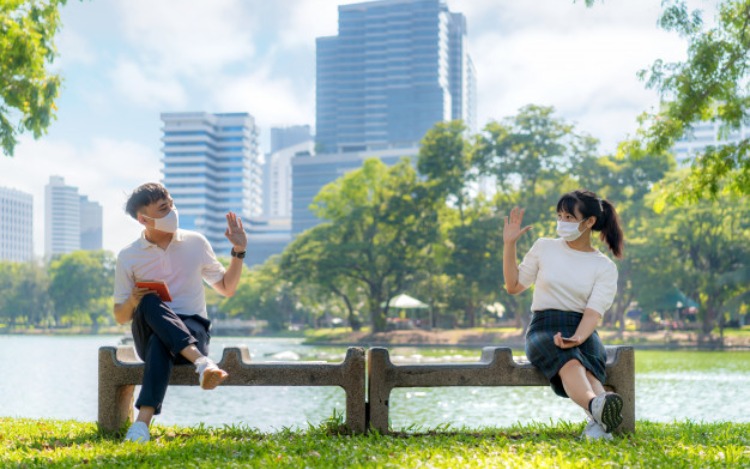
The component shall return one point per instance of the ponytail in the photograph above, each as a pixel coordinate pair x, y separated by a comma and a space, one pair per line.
610, 231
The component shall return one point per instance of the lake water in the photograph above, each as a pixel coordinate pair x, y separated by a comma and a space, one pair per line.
56, 377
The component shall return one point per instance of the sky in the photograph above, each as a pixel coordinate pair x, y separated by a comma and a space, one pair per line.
124, 62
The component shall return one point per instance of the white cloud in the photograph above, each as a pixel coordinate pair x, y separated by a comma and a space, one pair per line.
271, 100
584, 64
73, 48
107, 171
147, 87
191, 37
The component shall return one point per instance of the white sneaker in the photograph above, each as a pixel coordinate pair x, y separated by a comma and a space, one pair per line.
138, 432
606, 409
209, 375
594, 431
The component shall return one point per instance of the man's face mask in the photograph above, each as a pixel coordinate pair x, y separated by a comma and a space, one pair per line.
168, 223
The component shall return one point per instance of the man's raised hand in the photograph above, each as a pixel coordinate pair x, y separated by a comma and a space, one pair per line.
235, 233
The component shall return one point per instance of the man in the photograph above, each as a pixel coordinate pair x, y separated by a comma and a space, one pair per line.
170, 332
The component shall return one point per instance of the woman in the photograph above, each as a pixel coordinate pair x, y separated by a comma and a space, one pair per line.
575, 286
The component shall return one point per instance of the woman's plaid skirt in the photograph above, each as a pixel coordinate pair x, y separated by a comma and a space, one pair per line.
549, 358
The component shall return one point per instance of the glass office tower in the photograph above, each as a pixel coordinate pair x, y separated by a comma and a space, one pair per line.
16, 222
62, 217
211, 167
395, 69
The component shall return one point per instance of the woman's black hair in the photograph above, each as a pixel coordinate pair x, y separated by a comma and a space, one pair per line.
607, 221
143, 195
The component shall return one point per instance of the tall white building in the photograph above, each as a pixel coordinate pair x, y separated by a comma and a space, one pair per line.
62, 217
212, 166
71, 221
277, 179
91, 224
702, 135
16, 235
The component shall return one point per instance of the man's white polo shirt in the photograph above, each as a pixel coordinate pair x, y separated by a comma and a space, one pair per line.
187, 261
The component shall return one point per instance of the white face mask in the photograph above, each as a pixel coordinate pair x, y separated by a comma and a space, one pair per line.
568, 230
168, 223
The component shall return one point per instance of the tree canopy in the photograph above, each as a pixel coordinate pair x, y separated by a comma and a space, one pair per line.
710, 85
27, 88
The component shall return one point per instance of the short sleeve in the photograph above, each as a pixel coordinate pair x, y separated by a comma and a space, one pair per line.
529, 267
212, 271
605, 288
124, 282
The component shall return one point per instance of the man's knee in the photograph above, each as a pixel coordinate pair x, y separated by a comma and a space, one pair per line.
149, 302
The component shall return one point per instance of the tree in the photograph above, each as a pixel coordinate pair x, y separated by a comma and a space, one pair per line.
263, 293
27, 89
309, 262
534, 145
445, 159
379, 222
23, 293
711, 85
81, 286
702, 249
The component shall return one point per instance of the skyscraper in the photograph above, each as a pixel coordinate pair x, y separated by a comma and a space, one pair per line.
91, 224
62, 217
212, 166
277, 179
311, 173
284, 137
395, 69
16, 216
703, 134
71, 220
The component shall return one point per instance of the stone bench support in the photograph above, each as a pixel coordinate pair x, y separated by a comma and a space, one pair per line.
120, 370
497, 367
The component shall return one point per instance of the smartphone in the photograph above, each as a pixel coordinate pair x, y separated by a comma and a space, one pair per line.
568, 339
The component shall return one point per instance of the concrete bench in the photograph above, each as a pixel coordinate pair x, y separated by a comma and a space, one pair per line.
497, 367
120, 370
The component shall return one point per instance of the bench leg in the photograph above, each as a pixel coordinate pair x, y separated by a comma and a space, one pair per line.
115, 406
622, 379
378, 389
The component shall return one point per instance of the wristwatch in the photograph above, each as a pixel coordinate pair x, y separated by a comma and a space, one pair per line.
238, 255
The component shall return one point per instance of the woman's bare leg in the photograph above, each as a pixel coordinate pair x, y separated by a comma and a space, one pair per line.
576, 383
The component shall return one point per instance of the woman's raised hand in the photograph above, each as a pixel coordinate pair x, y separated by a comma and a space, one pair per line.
512, 230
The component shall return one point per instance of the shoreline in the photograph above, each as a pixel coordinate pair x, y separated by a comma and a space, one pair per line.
451, 338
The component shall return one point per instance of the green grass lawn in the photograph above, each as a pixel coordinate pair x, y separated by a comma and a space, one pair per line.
47, 443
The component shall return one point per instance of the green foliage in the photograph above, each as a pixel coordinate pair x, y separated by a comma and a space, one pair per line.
262, 294
81, 286
27, 89
380, 221
702, 245
49, 443
533, 146
24, 298
445, 159
710, 85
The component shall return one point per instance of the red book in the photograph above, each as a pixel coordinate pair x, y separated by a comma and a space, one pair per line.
158, 286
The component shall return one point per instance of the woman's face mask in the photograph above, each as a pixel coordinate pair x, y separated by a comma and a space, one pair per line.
568, 230
568, 226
